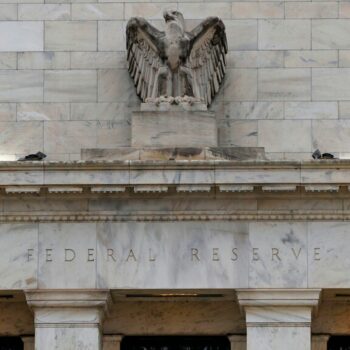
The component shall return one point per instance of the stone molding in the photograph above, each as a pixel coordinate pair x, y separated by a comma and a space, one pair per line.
34, 178
139, 179
68, 298
95, 302
286, 215
278, 297
285, 307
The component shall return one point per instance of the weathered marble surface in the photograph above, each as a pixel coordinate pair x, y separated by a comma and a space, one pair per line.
274, 338
282, 248
173, 129
279, 318
180, 153
68, 320
15, 269
178, 255
21, 36
62, 256
191, 256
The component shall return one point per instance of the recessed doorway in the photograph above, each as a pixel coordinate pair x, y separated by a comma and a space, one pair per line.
11, 343
339, 343
175, 343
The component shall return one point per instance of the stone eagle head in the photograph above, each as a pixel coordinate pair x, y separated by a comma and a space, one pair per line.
173, 16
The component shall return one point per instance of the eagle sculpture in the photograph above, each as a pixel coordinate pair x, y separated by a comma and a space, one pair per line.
176, 66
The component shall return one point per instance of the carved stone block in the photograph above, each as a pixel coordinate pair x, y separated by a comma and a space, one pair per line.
178, 128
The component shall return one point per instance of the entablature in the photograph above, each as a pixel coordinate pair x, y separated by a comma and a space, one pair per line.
185, 176
95, 191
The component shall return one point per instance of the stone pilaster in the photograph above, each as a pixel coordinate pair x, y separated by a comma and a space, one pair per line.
319, 342
238, 342
112, 342
28, 343
278, 319
68, 320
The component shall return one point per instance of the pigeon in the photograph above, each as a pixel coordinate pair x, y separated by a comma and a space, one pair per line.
33, 157
318, 155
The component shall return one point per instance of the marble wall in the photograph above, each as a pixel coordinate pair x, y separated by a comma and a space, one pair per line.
64, 86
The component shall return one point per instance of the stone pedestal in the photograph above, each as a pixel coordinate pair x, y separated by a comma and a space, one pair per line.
173, 128
238, 342
68, 320
319, 342
278, 319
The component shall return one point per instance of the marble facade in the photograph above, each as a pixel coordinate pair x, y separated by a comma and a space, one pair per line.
252, 250
149, 221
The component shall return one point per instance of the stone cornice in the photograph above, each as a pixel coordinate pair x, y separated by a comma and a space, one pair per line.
186, 176
173, 164
175, 179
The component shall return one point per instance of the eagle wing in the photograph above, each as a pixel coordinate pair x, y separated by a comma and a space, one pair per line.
143, 54
208, 48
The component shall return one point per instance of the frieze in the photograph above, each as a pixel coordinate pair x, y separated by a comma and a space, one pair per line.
161, 255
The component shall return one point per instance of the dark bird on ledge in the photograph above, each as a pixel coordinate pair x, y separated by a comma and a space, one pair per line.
33, 157
318, 155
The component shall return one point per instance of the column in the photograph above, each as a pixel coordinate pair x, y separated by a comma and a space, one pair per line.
238, 342
112, 342
319, 342
28, 343
278, 319
68, 320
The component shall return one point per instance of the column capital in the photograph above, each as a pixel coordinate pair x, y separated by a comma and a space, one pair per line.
320, 338
319, 341
113, 338
278, 297
70, 307
237, 338
69, 298
28, 342
282, 307
238, 342
112, 342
